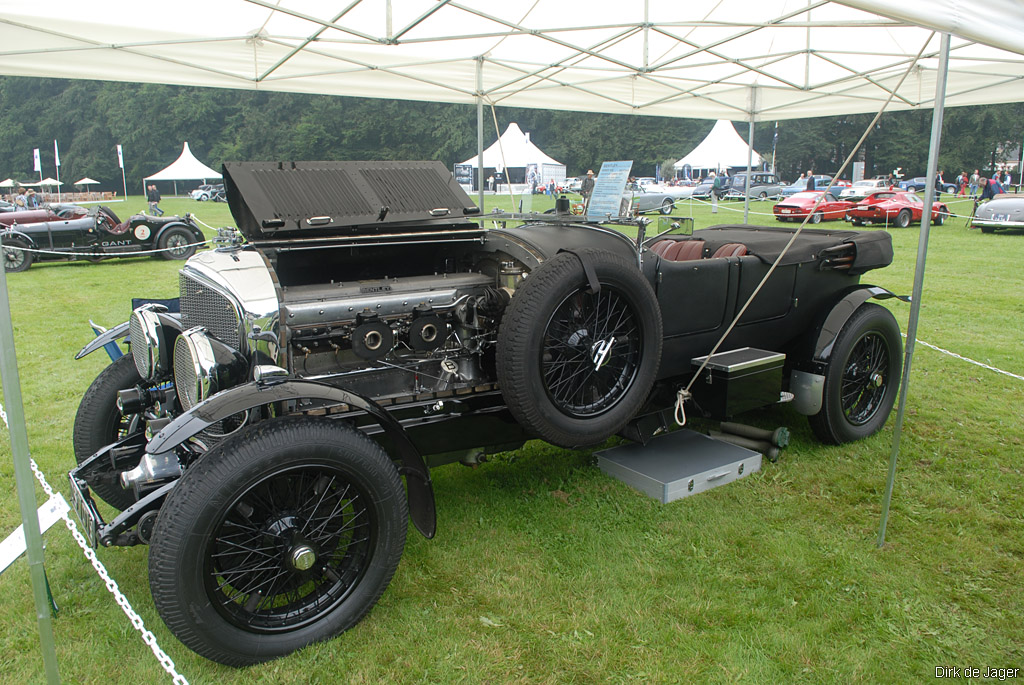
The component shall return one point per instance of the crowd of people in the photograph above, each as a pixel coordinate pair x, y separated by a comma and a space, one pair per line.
24, 199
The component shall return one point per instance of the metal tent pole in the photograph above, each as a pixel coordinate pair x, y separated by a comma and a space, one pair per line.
922, 253
480, 131
750, 154
24, 482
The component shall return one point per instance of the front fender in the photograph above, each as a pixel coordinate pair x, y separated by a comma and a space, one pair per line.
121, 330
242, 398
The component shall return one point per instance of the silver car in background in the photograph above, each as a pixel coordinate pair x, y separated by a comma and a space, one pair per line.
1005, 211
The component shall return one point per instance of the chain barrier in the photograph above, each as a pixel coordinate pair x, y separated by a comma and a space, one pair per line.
122, 601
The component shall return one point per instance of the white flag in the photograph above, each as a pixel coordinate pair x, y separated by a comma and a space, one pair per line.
120, 157
56, 154
35, 156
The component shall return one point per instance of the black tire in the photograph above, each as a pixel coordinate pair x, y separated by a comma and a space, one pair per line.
178, 243
99, 423
277, 490
987, 229
762, 196
667, 205
16, 259
862, 377
941, 218
549, 338
858, 222
903, 218
816, 218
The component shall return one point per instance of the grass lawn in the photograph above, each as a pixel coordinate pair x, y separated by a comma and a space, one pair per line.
545, 570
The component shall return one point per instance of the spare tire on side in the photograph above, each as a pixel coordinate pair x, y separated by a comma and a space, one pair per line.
575, 365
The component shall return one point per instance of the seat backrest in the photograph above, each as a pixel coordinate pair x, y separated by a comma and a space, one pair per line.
730, 250
659, 247
684, 251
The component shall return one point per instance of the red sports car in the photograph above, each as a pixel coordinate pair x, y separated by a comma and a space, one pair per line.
895, 207
796, 207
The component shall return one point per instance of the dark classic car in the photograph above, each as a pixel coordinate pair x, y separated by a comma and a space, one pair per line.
763, 185
796, 207
894, 207
366, 328
1005, 211
95, 236
919, 183
821, 182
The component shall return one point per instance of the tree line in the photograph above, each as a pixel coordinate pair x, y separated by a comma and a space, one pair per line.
89, 118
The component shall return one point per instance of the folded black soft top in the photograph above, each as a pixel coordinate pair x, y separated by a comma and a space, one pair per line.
873, 248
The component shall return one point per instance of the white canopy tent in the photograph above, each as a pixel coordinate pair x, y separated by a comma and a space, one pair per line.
185, 168
515, 150
86, 182
722, 148
775, 59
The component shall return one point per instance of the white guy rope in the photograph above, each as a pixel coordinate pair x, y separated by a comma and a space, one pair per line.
966, 359
65, 253
147, 636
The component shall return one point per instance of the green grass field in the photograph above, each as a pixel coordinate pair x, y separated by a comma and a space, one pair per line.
544, 570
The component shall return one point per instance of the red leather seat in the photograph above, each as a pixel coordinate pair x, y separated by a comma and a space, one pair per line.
730, 250
683, 250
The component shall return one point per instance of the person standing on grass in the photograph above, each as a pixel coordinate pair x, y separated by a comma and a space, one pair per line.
153, 197
975, 178
716, 188
587, 187
810, 179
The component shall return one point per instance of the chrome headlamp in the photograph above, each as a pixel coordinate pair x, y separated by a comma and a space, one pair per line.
195, 367
204, 366
147, 335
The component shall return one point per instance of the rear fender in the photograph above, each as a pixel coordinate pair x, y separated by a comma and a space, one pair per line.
841, 313
242, 398
197, 235
13, 233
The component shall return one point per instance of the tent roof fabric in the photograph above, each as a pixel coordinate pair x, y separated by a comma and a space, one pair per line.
513, 149
732, 59
185, 168
85, 182
722, 148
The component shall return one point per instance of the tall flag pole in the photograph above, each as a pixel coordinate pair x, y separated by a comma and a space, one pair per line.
56, 162
775, 142
120, 163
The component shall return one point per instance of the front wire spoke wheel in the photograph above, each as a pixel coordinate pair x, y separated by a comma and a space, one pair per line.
285, 533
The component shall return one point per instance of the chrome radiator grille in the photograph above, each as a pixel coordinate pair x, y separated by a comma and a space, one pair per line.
204, 306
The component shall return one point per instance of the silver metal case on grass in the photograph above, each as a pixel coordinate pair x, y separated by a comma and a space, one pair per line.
678, 464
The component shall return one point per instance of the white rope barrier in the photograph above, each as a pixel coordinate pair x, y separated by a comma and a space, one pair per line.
122, 601
66, 253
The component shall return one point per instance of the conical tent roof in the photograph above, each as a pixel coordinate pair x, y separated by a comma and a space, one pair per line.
185, 168
720, 149
518, 149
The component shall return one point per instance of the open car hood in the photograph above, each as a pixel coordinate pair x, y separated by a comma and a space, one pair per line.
281, 200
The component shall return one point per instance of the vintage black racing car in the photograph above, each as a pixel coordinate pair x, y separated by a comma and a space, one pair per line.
367, 329
96, 236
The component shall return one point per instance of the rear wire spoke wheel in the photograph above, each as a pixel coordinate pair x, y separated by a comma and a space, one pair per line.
575, 366
15, 258
862, 377
177, 243
283, 535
